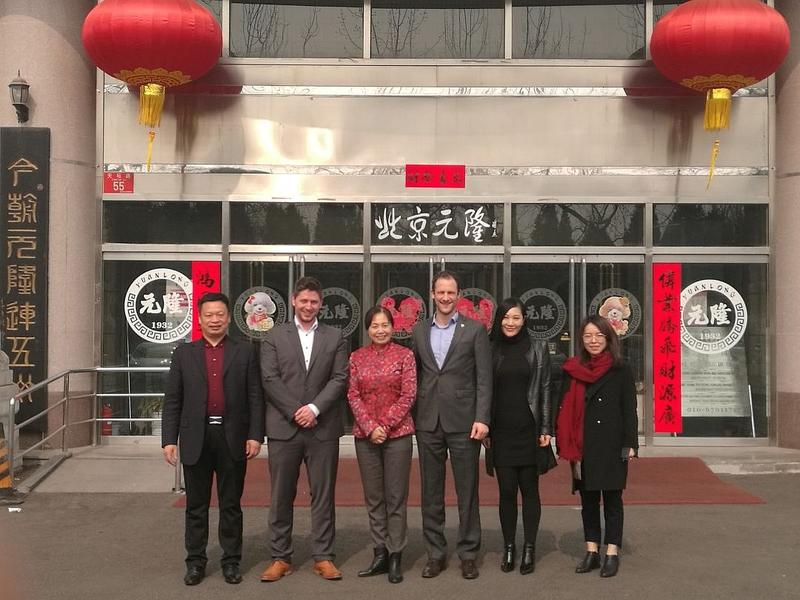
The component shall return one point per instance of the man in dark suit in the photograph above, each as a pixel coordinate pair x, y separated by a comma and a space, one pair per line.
304, 371
454, 397
214, 407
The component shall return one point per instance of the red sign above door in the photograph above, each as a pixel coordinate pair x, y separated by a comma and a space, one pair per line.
435, 176
117, 183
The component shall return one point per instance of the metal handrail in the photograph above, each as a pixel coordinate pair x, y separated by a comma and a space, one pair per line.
12, 428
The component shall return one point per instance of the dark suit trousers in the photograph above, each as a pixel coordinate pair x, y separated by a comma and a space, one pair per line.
464, 454
322, 461
385, 469
214, 458
612, 511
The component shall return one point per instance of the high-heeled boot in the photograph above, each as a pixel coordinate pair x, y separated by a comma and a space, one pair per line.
509, 557
379, 565
526, 564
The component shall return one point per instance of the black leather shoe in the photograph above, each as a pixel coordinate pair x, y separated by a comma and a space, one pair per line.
231, 573
469, 569
590, 562
509, 558
194, 575
610, 565
379, 564
433, 567
526, 565
395, 567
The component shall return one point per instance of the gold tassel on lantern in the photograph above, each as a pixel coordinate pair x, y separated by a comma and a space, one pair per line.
718, 116
151, 103
718, 109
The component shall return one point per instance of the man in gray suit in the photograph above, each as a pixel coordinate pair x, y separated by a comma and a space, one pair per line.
304, 372
454, 396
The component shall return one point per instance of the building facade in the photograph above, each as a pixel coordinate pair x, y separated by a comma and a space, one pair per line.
529, 147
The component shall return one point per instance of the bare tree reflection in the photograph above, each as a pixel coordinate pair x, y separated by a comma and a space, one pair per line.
310, 27
548, 33
263, 31
394, 29
581, 224
466, 32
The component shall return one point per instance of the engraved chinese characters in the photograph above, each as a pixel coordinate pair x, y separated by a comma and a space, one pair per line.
24, 233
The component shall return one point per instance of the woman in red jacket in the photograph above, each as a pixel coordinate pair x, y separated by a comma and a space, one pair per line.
383, 388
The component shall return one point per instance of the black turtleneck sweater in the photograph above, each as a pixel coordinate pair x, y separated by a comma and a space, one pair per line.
513, 427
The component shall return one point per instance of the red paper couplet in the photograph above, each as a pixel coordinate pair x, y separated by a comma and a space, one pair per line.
205, 278
667, 348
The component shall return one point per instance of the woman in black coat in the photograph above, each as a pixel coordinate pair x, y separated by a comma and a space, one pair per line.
596, 430
521, 427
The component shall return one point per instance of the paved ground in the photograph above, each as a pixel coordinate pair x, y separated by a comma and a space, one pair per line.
129, 545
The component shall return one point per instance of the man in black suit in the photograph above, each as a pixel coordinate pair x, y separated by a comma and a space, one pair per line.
304, 371
454, 397
214, 407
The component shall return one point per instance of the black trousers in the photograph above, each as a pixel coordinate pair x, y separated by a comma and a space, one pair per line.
215, 458
511, 481
612, 511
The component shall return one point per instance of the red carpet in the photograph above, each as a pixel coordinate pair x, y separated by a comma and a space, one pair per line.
650, 481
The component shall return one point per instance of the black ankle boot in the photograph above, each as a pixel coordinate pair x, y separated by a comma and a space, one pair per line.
395, 567
509, 557
610, 566
379, 565
590, 562
526, 565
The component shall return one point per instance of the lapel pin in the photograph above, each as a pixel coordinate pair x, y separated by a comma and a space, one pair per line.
462, 324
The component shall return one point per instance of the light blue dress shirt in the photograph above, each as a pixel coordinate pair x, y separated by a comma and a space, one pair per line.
441, 337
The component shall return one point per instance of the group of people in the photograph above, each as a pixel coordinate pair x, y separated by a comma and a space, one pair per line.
457, 389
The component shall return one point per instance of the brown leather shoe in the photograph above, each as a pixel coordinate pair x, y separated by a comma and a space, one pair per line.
327, 570
276, 570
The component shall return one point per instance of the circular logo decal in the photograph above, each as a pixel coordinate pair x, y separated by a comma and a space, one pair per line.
477, 304
158, 306
257, 310
713, 316
620, 308
340, 309
545, 313
407, 307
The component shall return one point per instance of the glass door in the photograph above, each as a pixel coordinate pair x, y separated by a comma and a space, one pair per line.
559, 291
402, 284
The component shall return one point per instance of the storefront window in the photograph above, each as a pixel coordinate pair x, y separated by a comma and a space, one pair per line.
297, 29
577, 224
558, 29
296, 223
146, 314
142, 222
710, 224
437, 29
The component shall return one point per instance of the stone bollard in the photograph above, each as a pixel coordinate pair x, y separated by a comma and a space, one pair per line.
8, 389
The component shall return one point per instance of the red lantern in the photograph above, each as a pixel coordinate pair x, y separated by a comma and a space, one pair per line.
153, 44
719, 46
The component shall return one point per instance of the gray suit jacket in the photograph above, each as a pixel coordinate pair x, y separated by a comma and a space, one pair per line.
460, 393
288, 386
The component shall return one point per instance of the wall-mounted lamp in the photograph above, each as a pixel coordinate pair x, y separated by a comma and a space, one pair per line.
19, 97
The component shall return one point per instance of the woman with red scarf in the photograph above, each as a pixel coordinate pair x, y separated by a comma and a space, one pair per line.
596, 430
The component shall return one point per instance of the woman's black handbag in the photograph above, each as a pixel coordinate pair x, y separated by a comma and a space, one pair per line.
545, 458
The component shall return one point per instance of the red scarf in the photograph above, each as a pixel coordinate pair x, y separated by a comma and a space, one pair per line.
569, 424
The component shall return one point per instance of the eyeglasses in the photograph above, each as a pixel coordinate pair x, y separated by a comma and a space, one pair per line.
587, 337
